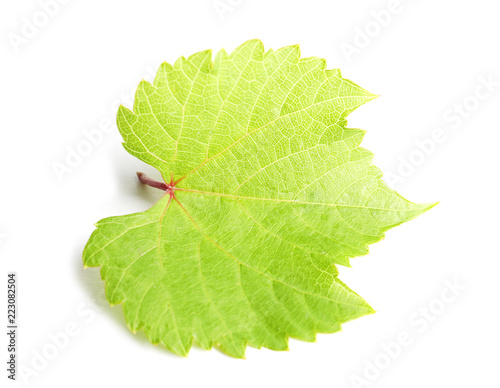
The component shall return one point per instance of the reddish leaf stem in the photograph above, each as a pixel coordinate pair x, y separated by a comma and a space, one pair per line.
144, 179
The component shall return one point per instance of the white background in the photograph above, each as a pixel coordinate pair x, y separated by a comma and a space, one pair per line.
425, 62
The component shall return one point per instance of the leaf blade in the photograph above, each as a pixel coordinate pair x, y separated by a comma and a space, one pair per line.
272, 191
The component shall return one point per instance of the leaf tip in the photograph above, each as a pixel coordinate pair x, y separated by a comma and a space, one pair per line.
428, 206
370, 310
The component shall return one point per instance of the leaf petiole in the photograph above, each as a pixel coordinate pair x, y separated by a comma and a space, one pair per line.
144, 179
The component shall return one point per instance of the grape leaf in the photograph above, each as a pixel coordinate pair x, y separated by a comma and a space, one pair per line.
267, 191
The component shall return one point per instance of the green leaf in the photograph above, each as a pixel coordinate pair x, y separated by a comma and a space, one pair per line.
271, 191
